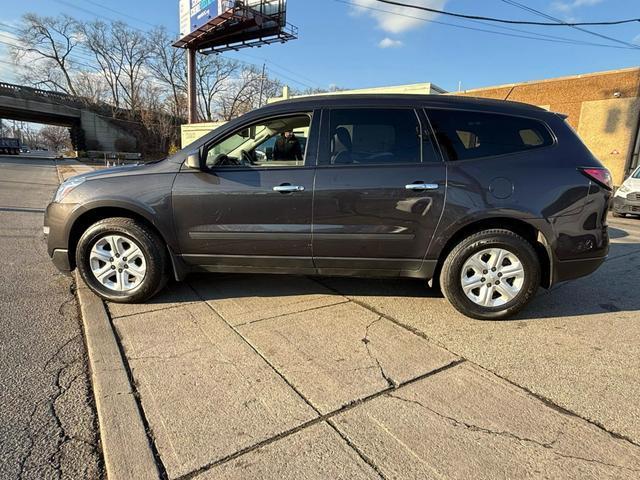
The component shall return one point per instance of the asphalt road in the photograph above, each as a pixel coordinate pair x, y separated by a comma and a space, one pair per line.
47, 422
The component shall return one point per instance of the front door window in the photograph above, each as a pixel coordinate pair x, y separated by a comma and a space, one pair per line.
278, 142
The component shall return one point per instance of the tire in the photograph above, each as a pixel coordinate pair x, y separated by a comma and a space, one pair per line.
125, 280
517, 285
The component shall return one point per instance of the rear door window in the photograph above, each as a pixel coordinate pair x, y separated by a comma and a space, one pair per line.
366, 136
463, 135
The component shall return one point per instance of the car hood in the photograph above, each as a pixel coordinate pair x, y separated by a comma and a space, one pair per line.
129, 170
633, 184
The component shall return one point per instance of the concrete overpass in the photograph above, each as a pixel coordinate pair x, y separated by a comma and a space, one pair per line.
90, 130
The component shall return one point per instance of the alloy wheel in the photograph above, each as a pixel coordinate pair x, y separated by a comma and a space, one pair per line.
118, 263
492, 277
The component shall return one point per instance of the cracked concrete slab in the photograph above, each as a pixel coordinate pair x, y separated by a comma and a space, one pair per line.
173, 295
342, 353
242, 299
205, 392
578, 345
467, 423
317, 452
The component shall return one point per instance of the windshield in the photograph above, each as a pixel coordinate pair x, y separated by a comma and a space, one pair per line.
636, 174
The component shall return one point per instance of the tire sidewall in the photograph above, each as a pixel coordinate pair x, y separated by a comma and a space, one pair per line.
153, 276
458, 257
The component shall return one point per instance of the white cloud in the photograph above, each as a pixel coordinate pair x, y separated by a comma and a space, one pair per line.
636, 39
6, 58
568, 6
402, 18
390, 43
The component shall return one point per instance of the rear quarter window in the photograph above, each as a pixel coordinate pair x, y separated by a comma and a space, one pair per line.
464, 135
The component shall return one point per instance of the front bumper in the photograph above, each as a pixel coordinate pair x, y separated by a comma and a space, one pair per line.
60, 259
56, 231
626, 204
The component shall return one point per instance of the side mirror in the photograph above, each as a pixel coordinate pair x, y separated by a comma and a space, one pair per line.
193, 161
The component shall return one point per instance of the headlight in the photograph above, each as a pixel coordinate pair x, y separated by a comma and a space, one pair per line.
624, 189
66, 187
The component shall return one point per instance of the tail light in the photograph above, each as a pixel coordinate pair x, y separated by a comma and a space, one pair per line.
598, 175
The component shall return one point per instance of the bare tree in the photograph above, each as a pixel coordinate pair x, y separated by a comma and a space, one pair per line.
214, 76
98, 39
55, 137
50, 40
132, 47
244, 92
168, 66
155, 117
92, 87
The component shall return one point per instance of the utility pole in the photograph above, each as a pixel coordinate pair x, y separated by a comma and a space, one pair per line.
192, 98
264, 68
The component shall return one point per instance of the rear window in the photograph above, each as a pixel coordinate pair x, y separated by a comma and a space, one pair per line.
463, 135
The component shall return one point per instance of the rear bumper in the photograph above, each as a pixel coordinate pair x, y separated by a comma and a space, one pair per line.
571, 269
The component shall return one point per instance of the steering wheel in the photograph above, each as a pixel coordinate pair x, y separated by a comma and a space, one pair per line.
223, 160
246, 158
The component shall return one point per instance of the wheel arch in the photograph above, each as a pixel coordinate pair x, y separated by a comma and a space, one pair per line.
529, 232
92, 215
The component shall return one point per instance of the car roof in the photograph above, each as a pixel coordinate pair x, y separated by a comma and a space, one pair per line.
419, 101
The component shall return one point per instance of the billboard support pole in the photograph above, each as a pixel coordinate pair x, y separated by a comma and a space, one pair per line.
191, 85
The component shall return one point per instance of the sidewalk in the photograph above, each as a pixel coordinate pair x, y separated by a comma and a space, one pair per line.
280, 377
69, 167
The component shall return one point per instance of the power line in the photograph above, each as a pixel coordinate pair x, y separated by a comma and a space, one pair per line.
78, 49
503, 20
544, 15
125, 15
72, 59
280, 67
89, 12
529, 36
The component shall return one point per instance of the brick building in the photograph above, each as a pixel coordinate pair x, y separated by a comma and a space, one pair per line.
603, 107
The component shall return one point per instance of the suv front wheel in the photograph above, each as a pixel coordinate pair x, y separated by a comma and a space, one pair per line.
122, 260
491, 275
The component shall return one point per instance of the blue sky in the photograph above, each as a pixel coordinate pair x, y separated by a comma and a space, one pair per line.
356, 47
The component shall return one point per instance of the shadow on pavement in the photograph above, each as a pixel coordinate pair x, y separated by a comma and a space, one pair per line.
615, 233
612, 288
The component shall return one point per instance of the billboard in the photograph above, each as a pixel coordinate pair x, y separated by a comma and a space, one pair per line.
196, 13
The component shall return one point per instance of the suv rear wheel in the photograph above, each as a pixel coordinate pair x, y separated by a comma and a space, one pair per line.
122, 260
491, 275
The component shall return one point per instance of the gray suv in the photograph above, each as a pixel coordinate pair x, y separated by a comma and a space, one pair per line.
488, 199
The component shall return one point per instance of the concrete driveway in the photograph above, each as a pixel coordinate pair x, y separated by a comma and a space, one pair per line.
245, 376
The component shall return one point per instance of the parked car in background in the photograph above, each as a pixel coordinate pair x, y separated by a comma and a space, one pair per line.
491, 199
627, 197
9, 146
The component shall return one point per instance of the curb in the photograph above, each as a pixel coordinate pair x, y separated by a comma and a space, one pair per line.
125, 445
57, 165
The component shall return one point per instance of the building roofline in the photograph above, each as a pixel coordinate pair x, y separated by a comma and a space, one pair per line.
547, 80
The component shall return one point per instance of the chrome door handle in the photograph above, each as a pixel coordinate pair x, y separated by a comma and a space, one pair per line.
422, 186
288, 188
